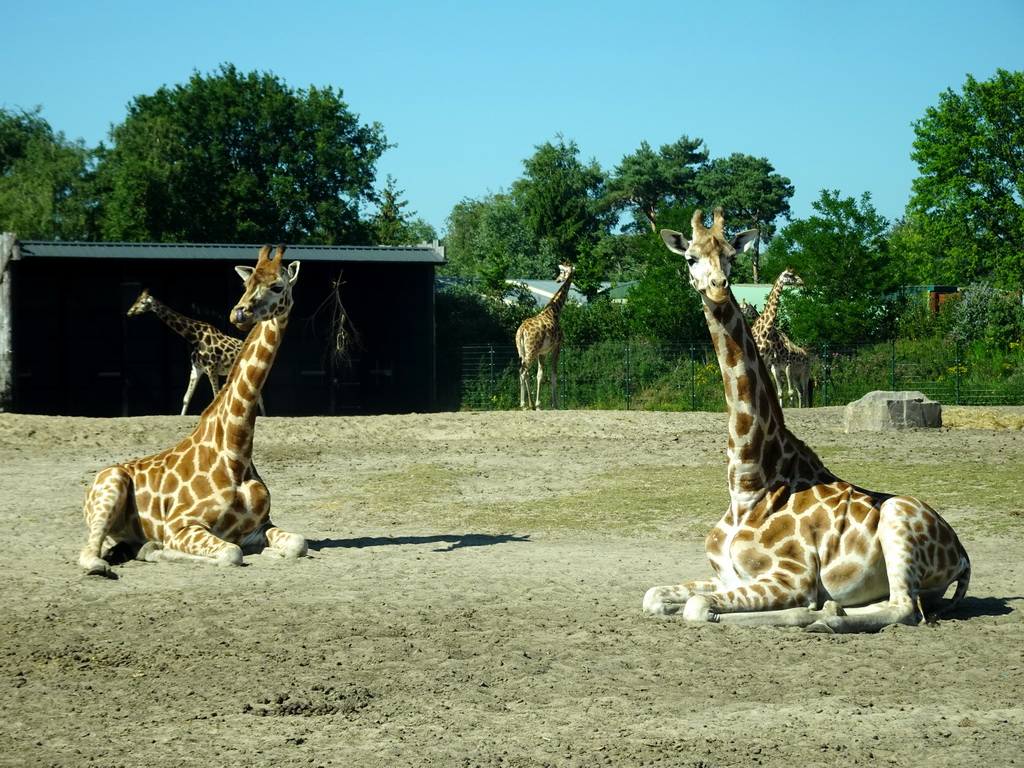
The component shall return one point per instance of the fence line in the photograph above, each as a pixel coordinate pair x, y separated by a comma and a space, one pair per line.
685, 375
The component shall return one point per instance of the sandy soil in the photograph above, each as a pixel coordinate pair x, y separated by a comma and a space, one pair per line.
469, 601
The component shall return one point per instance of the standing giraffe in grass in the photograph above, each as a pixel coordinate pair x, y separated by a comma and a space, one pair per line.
539, 338
781, 356
213, 352
798, 546
203, 499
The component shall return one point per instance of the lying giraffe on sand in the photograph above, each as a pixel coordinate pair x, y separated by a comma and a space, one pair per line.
213, 352
798, 546
203, 499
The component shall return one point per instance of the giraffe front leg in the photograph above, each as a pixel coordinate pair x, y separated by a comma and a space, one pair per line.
193, 379
280, 543
670, 600
105, 503
195, 543
700, 608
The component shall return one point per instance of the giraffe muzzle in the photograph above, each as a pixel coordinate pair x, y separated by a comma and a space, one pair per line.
241, 319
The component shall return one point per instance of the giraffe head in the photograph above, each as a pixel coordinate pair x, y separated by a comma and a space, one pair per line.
268, 289
789, 277
142, 304
709, 255
565, 271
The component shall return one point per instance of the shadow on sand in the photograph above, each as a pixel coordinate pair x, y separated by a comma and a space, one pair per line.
453, 541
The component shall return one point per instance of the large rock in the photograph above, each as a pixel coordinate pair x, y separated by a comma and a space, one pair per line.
892, 410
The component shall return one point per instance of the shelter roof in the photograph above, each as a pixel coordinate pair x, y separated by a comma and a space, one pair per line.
426, 253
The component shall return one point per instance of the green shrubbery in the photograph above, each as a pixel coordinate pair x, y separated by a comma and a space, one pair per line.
969, 353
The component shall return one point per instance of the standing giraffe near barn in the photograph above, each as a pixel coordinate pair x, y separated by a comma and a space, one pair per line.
539, 338
203, 499
781, 356
798, 546
213, 352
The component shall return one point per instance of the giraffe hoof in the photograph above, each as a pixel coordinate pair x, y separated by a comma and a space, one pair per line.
832, 608
229, 556
820, 628
149, 552
98, 568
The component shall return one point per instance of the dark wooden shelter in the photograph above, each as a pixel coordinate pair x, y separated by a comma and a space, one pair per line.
360, 340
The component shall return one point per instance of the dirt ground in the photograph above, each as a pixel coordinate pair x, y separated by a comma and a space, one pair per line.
472, 597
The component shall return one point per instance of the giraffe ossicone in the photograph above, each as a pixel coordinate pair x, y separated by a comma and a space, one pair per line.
539, 338
798, 546
203, 499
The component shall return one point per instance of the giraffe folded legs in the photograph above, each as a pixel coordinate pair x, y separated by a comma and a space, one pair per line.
104, 507
695, 602
275, 542
193, 543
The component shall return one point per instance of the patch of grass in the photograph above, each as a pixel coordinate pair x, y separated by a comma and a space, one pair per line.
674, 502
975, 496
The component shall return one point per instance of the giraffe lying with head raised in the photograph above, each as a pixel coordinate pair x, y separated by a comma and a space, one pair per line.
798, 546
203, 499
213, 352
539, 338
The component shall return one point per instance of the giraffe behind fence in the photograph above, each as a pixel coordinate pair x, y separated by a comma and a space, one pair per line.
539, 338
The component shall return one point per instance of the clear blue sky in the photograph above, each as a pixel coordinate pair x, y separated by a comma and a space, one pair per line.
826, 90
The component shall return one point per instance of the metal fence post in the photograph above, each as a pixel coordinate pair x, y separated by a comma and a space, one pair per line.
628, 399
956, 367
892, 364
693, 377
490, 375
824, 373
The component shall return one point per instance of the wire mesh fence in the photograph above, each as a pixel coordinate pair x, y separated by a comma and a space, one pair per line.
684, 376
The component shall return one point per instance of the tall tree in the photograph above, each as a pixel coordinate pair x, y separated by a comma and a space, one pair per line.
646, 181
45, 189
851, 286
491, 238
391, 225
968, 202
752, 194
562, 199
239, 158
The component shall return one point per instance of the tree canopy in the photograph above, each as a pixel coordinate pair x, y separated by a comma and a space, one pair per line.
43, 179
392, 225
235, 157
646, 181
966, 211
561, 199
752, 194
851, 290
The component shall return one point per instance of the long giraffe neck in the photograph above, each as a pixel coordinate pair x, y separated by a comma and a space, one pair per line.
758, 438
183, 326
558, 300
766, 322
230, 420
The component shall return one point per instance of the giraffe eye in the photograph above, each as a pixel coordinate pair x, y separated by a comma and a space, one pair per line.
277, 287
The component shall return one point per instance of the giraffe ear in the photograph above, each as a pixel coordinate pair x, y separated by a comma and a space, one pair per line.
744, 240
244, 272
293, 271
675, 241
